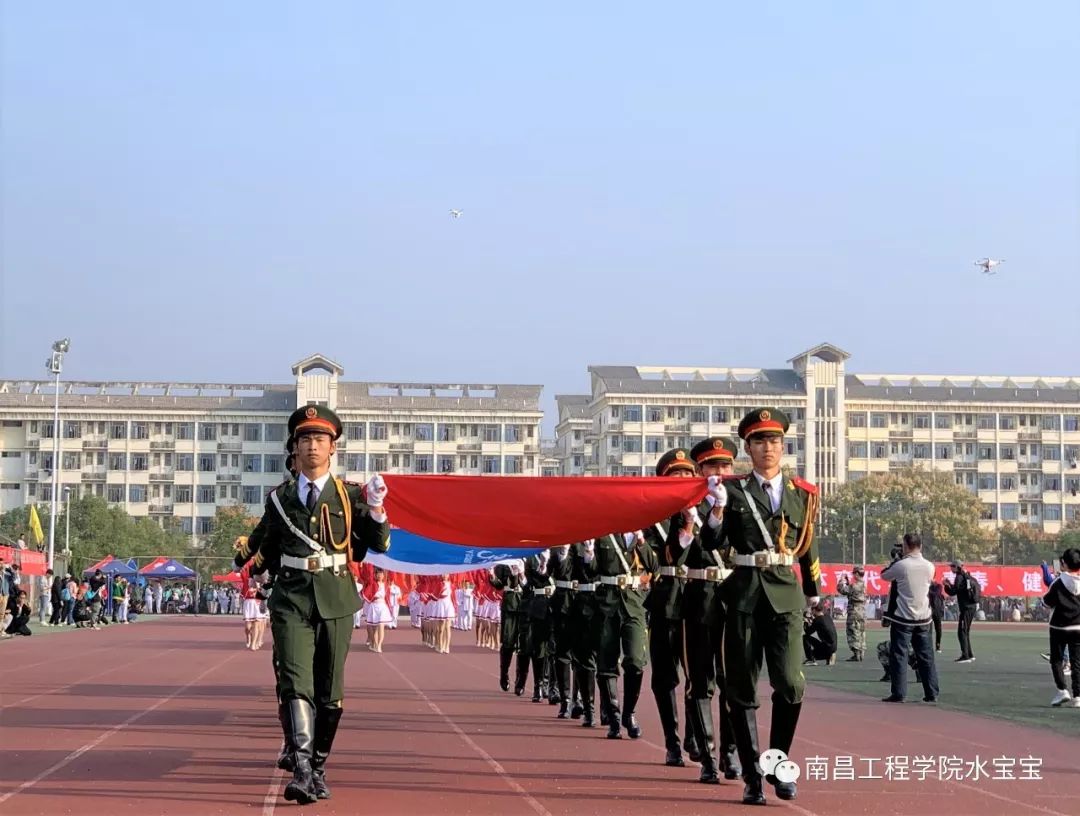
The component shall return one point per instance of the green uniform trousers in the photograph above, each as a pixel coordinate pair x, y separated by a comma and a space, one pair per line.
776, 634
619, 628
311, 655
582, 614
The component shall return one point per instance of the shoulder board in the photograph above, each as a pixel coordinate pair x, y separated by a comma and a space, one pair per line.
802, 484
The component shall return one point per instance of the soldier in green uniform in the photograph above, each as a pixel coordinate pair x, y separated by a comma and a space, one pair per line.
703, 616
539, 587
508, 578
583, 613
561, 571
621, 564
311, 528
767, 520
664, 604
855, 592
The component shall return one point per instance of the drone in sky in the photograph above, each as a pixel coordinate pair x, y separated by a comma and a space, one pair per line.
455, 213
987, 265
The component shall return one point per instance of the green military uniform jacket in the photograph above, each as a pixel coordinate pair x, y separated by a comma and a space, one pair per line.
561, 570
700, 598
330, 595
534, 597
606, 561
740, 532
510, 585
665, 591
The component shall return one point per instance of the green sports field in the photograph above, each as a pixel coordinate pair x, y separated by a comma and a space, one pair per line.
1008, 679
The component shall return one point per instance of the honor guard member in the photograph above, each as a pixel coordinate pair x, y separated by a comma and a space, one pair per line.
508, 578
620, 563
767, 520
561, 571
664, 604
539, 588
703, 616
314, 526
583, 614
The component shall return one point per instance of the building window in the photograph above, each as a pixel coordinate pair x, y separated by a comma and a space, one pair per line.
140, 430
446, 464
1052, 512
378, 431
207, 432
654, 413
378, 463
944, 452
632, 413
879, 421
614, 411
424, 432
116, 494
878, 450
1007, 422
252, 463
720, 414
251, 494
354, 462
1008, 452
922, 420
204, 525
654, 444
491, 433
1010, 512
253, 432
185, 430
491, 464
137, 493
513, 433
857, 450
446, 433
72, 430
513, 464
273, 463
1050, 422
423, 463
986, 452
922, 451
577, 460
185, 461
204, 494
1008, 483
139, 461
117, 430
206, 462
699, 415
117, 461
986, 422
632, 444
72, 461
943, 421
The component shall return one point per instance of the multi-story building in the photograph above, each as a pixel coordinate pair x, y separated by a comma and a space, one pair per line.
1013, 441
183, 450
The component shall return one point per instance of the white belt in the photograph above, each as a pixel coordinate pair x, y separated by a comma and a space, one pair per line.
762, 559
622, 581
315, 563
584, 587
709, 574
566, 585
544, 590
512, 589
674, 572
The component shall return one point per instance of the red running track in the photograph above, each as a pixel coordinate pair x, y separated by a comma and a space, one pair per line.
174, 716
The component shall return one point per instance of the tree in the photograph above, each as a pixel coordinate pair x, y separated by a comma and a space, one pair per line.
1024, 544
216, 553
910, 500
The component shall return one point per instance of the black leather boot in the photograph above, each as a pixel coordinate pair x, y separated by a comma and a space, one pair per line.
506, 657
539, 667
586, 685
609, 698
631, 692
554, 695
689, 743
700, 713
728, 755
785, 716
521, 675
602, 693
666, 702
744, 726
562, 684
284, 760
301, 716
576, 709
326, 726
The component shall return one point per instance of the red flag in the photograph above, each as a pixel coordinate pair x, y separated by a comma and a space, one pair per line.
532, 511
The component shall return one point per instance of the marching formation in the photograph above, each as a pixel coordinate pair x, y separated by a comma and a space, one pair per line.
704, 596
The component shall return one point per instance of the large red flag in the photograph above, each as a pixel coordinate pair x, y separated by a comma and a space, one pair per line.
532, 511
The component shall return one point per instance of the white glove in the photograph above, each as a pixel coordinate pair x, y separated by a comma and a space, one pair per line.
375, 491
590, 550
561, 551
814, 601
717, 492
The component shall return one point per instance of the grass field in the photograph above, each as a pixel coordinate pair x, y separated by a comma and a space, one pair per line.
1008, 679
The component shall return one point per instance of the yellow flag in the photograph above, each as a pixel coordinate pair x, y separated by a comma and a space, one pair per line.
35, 525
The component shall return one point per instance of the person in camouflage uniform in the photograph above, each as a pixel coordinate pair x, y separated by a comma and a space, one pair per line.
855, 592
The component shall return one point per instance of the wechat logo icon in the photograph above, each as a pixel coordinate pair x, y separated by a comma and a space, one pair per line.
775, 762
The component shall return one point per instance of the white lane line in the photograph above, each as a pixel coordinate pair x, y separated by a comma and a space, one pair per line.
114, 730
538, 808
272, 792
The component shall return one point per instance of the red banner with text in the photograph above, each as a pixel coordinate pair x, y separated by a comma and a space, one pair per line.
27, 562
1006, 582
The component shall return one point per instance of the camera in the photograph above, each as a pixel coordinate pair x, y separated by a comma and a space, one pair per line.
896, 553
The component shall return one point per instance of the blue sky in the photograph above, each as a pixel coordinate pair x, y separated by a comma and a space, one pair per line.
210, 191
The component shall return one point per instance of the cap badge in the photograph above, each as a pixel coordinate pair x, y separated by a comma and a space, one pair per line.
764, 416
680, 455
718, 445
311, 413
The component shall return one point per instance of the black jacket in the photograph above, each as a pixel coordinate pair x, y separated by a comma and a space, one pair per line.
1064, 599
823, 627
959, 588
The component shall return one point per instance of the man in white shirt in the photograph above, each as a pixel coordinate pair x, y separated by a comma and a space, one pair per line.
910, 623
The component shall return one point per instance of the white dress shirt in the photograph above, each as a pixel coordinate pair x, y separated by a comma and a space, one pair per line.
775, 489
319, 483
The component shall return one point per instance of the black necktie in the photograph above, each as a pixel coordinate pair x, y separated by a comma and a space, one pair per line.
312, 496
767, 487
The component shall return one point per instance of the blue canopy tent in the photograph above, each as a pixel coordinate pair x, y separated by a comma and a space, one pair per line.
111, 570
169, 568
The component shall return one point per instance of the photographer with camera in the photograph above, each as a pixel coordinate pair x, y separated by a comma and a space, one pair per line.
819, 636
966, 589
910, 621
